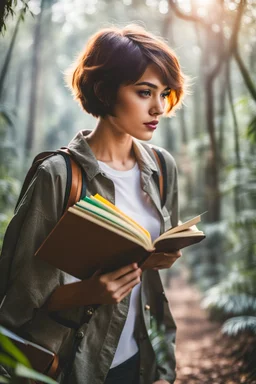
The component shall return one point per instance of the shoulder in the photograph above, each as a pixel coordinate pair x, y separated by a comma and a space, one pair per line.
54, 165
47, 182
51, 174
168, 158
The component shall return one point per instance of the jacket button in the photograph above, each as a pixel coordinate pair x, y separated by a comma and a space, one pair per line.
80, 334
147, 307
141, 371
90, 311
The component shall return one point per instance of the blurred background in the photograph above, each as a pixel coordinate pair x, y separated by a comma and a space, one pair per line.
213, 137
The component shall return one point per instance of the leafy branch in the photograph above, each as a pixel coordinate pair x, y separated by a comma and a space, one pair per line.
7, 8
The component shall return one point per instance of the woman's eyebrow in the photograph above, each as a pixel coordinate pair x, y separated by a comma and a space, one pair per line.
151, 85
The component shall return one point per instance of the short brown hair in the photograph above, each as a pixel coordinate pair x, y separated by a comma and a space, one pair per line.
115, 56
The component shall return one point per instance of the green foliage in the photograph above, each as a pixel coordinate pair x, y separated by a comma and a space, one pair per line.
205, 260
225, 305
9, 10
239, 324
243, 331
233, 296
251, 131
9, 185
16, 362
6, 117
157, 338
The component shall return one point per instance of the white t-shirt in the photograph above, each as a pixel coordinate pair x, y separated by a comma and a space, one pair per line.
132, 200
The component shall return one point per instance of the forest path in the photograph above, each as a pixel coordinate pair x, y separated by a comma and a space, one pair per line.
201, 348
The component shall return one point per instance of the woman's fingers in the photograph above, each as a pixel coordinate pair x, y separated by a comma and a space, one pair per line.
124, 282
126, 289
113, 286
175, 254
161, 260
118, 273
129, 284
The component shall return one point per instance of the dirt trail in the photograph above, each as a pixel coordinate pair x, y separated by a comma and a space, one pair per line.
201, 352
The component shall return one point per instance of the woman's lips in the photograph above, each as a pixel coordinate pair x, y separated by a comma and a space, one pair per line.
151, 124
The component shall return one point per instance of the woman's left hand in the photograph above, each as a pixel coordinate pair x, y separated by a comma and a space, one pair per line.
160, 260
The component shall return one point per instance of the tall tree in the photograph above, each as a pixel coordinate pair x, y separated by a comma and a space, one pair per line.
7, 8
8, 57
36, 52
212, 50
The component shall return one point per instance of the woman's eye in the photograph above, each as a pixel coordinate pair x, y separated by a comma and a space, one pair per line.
145, 93
166, 94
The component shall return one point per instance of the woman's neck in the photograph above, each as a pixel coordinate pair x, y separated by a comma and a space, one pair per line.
112, 147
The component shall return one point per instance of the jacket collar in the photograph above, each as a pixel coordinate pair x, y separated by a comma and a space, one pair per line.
85, 157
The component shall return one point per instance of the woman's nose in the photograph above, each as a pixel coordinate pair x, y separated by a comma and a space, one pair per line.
157, 108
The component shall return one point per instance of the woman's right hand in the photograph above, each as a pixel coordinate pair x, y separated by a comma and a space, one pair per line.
107, 288
112, 287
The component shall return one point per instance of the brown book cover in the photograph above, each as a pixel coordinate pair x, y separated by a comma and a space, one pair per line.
40, 358
81, 243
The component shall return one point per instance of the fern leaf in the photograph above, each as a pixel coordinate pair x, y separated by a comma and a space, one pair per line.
239, 324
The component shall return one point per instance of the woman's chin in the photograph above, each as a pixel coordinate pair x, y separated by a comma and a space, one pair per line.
145, 136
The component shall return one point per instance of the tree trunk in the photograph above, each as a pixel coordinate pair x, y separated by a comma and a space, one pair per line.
246, 75
184, 134
236, 140
30, 134
222, 114
212, 196
8, 58
3, 5
253, 58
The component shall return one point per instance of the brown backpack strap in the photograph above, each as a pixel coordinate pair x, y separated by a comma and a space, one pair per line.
76, 180
54, 369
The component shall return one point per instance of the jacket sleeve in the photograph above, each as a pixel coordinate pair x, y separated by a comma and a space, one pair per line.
31, 280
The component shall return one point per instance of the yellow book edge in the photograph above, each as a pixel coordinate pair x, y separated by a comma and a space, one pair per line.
111, 227
108, 203
100, 213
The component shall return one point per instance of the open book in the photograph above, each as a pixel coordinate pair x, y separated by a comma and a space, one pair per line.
94, 234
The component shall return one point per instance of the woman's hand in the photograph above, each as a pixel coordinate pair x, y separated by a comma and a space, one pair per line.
107, 288
158, 261
112, 287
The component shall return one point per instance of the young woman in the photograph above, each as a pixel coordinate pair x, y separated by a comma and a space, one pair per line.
127, 78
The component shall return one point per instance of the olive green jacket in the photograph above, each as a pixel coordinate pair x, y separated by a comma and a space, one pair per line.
32, 281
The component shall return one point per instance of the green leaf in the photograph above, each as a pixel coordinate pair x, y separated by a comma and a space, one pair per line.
251, 131
13, 351
4, 380
29, 373
7, 360
239, 324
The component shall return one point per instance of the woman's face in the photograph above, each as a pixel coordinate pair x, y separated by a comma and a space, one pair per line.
139, 106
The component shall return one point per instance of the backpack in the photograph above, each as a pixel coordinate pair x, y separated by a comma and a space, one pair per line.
76, 188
